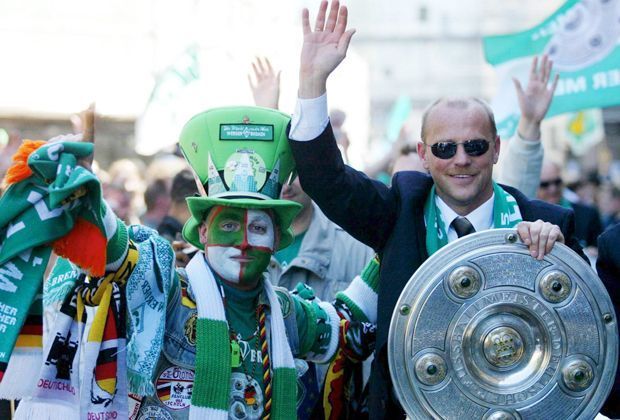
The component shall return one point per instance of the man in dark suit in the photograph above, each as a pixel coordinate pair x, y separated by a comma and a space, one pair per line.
460, 146
588, 224
608, 268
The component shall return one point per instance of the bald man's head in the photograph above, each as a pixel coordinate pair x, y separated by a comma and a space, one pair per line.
459, 104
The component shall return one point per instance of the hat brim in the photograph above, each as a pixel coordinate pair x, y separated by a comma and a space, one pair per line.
285, 211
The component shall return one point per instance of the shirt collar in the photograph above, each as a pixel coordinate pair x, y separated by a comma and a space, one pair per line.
481, 218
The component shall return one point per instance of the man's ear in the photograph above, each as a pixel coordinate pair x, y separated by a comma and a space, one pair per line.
202, 233
498, 143
421, 147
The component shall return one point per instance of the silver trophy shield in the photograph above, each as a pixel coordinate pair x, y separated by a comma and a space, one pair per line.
484, 331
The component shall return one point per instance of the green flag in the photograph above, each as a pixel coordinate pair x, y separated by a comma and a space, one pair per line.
581, 38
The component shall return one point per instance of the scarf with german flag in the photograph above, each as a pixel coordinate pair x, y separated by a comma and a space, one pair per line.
56, 392
104, 359
105, 367
51, 203
101, 352
23, 369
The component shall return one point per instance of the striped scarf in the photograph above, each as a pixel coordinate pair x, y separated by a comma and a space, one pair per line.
50, 202
105, 367
210, 396
23, 367
58, 394
104, 360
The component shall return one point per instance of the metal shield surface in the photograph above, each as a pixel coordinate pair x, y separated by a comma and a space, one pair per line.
483, 330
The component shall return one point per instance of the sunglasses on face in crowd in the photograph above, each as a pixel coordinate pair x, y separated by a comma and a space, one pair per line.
447, 149
555, 182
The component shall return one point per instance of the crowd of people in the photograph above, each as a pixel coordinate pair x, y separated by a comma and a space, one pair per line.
266, 293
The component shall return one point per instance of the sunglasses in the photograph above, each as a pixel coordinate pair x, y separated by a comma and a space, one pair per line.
447, 149
555, 182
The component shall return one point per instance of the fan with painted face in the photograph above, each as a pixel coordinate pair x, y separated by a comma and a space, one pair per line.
241, 158
238, 243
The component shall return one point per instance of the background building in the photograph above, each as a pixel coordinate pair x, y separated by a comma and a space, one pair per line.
132, 55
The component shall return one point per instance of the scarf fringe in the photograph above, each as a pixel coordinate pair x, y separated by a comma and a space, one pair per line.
85, 246
46, 410
206, 413
21, 374
20, 170
138, 384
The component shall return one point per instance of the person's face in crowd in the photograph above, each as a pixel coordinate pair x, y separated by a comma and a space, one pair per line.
120, 201
463, 181
609, 203
408, 162
294, 192
238, 244
550, 187
588, 193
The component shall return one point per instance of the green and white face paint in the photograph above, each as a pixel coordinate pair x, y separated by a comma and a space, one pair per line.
238, 243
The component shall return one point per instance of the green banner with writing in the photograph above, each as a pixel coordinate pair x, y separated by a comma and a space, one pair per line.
581, 38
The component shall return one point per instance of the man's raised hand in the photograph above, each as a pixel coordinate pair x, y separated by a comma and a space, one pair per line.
323, 49
265, 85
88, 134
84, 127
535, 99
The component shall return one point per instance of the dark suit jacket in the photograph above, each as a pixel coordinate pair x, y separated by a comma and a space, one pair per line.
391, 221
588, 224
608, 268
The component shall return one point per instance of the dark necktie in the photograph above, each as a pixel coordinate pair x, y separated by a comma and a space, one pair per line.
462, 226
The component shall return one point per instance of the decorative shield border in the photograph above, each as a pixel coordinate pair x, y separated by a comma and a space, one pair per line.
419, 371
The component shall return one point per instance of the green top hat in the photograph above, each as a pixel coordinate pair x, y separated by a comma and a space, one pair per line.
241, 157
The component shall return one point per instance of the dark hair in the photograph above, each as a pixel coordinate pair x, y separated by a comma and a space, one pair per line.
157, 188
462, 103
183, 185
408, 149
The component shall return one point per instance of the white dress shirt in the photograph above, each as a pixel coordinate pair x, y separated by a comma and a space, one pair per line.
309, 119
481, 218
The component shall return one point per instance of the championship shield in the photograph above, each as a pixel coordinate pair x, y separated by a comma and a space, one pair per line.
484, 331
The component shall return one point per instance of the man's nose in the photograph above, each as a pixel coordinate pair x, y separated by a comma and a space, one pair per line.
555, 188
244, 243
461, 157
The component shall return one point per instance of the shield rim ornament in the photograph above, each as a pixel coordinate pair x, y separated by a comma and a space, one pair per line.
403, 358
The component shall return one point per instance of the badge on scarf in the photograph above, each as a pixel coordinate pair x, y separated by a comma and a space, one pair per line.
174, 387
190, 329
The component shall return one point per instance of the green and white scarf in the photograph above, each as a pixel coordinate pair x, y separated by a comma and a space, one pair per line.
210, 396
50, 199
147, 296
506, 214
